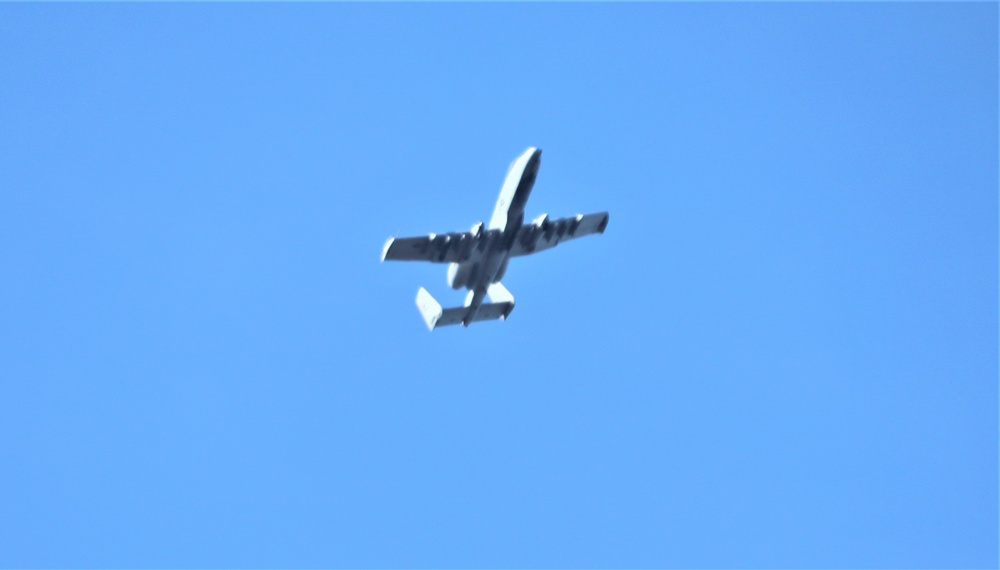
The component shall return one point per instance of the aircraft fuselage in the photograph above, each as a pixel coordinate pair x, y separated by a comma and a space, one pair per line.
481, 271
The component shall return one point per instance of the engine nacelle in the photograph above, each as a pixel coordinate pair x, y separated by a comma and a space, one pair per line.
542, 222
459, 274
477, 230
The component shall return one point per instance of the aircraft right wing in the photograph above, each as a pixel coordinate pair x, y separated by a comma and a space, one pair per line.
454, 247
543, 233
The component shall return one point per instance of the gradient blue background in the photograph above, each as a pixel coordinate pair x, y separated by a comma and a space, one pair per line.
782, 353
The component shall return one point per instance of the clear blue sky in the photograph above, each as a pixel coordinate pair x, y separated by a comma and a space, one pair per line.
782, 353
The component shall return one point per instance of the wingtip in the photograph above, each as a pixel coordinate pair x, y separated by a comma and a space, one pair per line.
385, 249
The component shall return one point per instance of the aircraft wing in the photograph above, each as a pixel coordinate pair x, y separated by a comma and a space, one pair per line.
453, 247
544, 233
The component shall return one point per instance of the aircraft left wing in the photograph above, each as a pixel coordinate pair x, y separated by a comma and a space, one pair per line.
454, 247
544, 233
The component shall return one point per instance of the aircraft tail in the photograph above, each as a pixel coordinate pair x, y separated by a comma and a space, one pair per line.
435, 316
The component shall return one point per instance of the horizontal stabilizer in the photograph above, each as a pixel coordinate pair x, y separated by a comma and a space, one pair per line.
435, 316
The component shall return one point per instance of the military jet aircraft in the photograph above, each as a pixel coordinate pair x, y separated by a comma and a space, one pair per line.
478, 258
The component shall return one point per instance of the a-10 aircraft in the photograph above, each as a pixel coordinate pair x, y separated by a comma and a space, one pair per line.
479, 257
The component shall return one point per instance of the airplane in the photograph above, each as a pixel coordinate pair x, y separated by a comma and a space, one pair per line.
478, 258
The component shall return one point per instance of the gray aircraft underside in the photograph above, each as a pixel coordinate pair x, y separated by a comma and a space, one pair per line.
478, 258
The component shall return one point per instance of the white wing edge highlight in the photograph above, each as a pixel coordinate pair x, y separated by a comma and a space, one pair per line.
385, 248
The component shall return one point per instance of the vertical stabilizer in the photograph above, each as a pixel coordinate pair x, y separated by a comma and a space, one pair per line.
499, 294
430, 309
